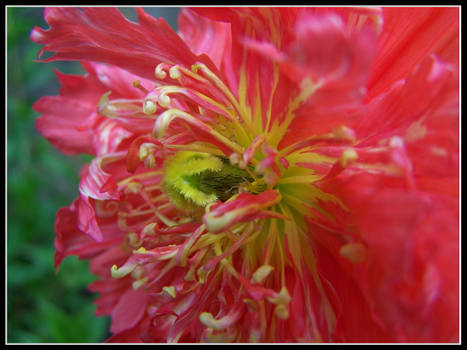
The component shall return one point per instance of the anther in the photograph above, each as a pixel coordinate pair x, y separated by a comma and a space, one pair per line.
261, 273
234, 158
134, 187
348, 157
122, 271
169, 291
146, 154
174, 72
149, 229
282, 311
164, 100
137, 84
159, 72
345, 133
354, 252
149, 107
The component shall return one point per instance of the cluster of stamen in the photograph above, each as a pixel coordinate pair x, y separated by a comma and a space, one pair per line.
215, 202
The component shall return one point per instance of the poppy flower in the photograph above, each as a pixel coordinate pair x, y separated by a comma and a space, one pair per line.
264, 175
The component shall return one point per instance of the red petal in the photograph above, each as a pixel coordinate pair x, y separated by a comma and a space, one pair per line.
325, 48
356, 321
431, 85
70, 240
129, 310
69, 121
94, 182
409, 35
105, 35
411, 237
206, 36
62, 132
110, 290
87, 221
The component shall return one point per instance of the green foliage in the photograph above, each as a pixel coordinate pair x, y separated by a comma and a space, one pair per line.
41, 306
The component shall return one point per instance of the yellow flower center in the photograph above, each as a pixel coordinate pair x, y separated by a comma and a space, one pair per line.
194, 180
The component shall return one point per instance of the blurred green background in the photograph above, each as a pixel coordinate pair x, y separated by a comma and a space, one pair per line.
43, 306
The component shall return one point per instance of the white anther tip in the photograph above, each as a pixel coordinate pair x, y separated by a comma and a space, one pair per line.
149, 107
174, 72
164, 101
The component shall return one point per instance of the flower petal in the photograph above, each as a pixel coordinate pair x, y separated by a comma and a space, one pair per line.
410, 34
70, 240
205, 36
129, 310
105, 35
402, 230
70, 121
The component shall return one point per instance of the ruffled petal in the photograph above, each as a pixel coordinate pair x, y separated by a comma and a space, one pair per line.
336, 59
410, 34
129, 310
424, 112
105, 35
77, 101
70, 121
205, 36
70, 240
401, 231
96, 183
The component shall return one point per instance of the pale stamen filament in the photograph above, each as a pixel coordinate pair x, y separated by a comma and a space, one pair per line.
146, 175
164, 99
164, 120
217, 83
161, 217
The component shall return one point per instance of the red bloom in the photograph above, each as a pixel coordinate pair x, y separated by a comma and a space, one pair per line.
267, 175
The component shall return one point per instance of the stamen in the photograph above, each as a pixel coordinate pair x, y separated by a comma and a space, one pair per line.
170, 291
161, 217
348, 157
355, 252
164, 100
122, 271
149, 107
164, 120
139, 283
147, 175
251, 151
174, 72
341, 134
146, 154
137, 84
282, 311
261, 273
159, 72
118, 107
246, 232
217, 83
208, 320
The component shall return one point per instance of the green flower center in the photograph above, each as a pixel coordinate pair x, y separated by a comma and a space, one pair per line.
194, 180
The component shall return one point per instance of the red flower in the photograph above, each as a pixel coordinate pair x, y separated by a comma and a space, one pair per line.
267, 175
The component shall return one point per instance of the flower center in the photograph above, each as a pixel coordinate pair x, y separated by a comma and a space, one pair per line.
194, 180
241, 203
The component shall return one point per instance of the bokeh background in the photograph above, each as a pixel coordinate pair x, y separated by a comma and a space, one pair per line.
42, 306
